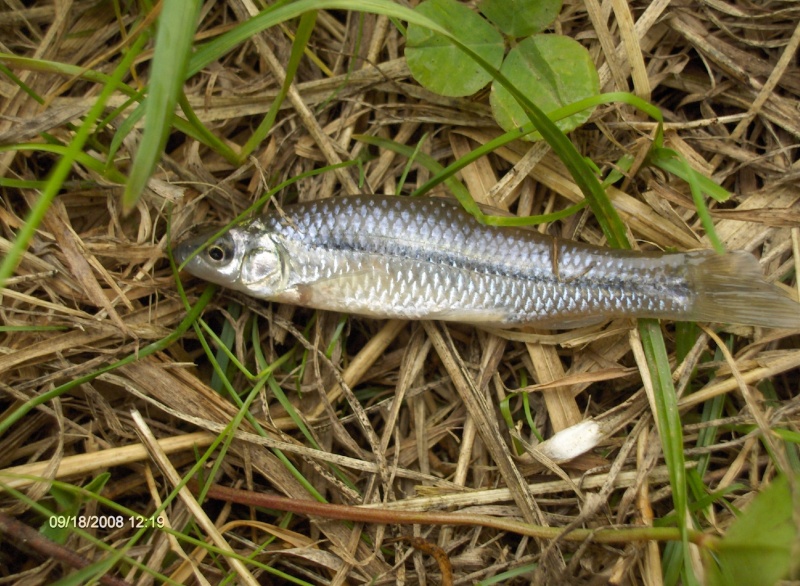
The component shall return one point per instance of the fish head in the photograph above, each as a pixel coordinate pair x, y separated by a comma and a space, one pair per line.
238, 259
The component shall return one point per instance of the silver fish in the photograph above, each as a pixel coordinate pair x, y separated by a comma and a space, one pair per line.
397, 257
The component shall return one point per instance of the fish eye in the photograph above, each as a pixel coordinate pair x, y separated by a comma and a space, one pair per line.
219, 252
216, 253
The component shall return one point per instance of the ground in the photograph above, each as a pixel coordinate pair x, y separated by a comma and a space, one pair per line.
123, 379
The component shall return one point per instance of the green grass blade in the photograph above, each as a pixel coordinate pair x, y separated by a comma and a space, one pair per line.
513, 135
225, 343
200, 132
669, 426
79, 157
157, 346
454, 185
64, 165
230, 357
674, 163
73, 71
20, 84
244, 411
446, 175
304, 30
176, 26
605, 99
410, 160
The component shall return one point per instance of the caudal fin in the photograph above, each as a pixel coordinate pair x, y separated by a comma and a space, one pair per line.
731, 289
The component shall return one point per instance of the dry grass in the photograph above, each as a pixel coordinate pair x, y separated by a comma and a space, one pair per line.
403, 414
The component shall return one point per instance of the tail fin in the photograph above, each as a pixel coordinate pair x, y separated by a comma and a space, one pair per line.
731, 289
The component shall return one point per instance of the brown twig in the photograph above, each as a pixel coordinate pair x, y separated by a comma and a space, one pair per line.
433, 550
385, 517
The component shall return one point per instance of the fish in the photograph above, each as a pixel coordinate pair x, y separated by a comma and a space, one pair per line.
427, 258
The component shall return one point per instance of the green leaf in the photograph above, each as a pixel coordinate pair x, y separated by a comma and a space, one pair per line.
757, 549
552, 71
520, 18
176, 27
439, 65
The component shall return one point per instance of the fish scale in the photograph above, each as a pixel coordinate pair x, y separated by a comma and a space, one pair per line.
428, 258
455, 265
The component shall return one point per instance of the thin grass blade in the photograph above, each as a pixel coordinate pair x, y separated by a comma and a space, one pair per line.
176, 27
